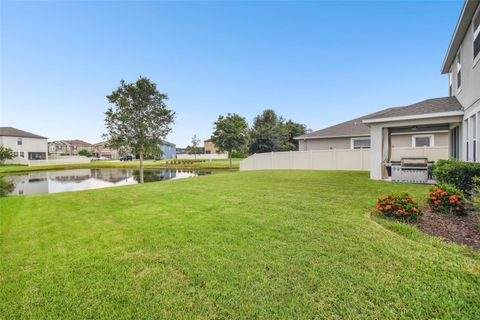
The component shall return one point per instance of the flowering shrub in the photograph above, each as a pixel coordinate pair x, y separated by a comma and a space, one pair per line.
401, 207
448, 199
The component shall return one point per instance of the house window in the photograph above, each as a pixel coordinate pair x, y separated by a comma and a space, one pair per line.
37, 156
360, 143
419, 141
459, 70
22, 154
15, 154
19, 141
476, 37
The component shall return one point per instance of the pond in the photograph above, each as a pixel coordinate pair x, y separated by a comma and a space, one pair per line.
84, 179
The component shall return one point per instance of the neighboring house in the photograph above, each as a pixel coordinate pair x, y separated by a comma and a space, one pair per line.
77, 145
443, 127
102, 150
59, 148
209, 147
169, 150
354, 134
25, 145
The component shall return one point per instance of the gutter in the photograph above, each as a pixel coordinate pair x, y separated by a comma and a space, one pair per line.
415, 117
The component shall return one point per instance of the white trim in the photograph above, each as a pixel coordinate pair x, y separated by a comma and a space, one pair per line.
363, 138
458, 63
431, 136
414, 117
330, 137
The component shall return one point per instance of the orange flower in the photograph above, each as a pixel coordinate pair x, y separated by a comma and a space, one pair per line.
388, 207
414, 209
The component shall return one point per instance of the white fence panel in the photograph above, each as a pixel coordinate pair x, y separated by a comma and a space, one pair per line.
309, 160
203, 156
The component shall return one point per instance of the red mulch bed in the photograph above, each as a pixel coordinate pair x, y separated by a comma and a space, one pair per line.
463, 230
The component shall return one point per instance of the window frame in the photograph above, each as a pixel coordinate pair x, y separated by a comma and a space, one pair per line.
19, 141
475, 33
352, 143
431, 136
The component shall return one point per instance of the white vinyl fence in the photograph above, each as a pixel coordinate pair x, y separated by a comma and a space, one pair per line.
340, 159
59, 160
309, 160
203, 156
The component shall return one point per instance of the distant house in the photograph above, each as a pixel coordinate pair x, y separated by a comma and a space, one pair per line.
102, 150
169, 150
25, 145
209, 147
78, 145
59, 148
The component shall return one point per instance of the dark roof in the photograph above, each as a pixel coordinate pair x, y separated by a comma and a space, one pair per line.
14, 132
356, 127
79, 143
429, 106
349, 128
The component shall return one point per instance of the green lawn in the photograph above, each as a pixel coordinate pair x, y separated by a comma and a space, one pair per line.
149, 164
268, 245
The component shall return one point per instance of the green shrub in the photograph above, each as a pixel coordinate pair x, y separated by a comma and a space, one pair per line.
85, 153
5, 187
457, 173
399, 207
447, 199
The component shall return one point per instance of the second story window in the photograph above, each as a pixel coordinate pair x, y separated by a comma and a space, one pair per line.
19, 141
476, 37
459, 70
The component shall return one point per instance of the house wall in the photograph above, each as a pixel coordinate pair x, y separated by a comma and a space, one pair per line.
28, 145
469, 92
209, 147
324, 144
403, 141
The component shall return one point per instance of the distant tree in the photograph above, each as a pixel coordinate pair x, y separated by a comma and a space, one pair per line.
230, 134
293, 130
268, 133
85, 153
5, 153
195, 147
139, 121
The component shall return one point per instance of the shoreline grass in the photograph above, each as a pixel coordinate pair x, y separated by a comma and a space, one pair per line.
262, 244
148, 164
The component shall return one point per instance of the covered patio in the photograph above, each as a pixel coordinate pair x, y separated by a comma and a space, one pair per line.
430, 129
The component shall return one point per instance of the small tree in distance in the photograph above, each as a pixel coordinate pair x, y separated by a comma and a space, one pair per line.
194, 148
85, 153
5, 153
139, 121
230, 134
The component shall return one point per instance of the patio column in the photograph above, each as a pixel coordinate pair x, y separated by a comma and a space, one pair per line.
376, 151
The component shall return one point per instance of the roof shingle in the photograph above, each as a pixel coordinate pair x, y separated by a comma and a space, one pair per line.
14, 132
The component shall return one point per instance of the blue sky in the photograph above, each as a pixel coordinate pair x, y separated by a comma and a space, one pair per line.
317, 63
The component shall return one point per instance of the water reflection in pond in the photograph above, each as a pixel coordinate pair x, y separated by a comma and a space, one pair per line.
83, 179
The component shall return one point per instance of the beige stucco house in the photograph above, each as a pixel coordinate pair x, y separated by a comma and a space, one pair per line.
438, 128
26, 146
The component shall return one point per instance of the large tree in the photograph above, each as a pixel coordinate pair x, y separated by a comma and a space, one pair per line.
293, 130
139, 119
230, 134
268, 133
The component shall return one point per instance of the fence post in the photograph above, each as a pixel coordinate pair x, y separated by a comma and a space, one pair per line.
311, 159
291, 159
271, 160
361, 158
